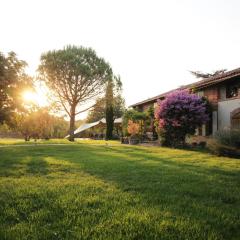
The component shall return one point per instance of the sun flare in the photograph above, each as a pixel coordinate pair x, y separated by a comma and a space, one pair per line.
39, 97
29, 96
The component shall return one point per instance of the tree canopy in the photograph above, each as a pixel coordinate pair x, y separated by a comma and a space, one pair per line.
39, 123
76, 76
13, 81
99, 110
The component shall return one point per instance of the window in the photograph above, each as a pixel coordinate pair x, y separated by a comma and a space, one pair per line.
232, 90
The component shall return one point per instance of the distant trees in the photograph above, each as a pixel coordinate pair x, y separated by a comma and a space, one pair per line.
40, 124
98, 111
76, 75
13, 81
179, 114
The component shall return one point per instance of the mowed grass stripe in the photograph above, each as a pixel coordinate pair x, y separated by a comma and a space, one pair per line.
86, 191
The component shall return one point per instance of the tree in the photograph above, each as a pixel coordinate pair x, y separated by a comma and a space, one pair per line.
13, 81
60, 127
39, 123
114, 85
109, 110
110, 107
25, 123
76, 75
99, 110
203, 75
179, 114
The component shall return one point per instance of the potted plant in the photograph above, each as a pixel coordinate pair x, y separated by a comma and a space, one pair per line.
133, 129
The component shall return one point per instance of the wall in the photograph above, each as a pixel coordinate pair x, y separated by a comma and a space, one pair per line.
145, 106
224, 112
212, 94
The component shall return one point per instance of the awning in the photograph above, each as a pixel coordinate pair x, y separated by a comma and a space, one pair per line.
87, 126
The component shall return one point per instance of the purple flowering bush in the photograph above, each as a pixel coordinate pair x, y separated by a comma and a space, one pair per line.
179, 114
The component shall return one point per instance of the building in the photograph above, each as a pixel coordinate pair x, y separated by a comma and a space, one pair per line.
223, 93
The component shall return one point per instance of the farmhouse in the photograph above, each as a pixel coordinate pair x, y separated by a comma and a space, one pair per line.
223, 93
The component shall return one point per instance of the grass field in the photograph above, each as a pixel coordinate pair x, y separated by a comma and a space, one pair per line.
88, 191
13, 141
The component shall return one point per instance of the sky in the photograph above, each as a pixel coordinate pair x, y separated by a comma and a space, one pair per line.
151, 44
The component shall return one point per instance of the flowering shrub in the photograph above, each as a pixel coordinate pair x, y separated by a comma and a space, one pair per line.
133, 128
136, 117
179, 114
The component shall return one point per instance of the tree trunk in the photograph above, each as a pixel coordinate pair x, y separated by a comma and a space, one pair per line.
72, 124
109, 111
26, 138
109, 123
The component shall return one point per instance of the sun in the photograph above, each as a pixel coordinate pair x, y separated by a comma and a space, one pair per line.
38, 97
29, 96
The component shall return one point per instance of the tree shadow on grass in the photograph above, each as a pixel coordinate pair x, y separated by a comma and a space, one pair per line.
17, 162
11, 163
37, 166
199, 192
189, 160
194, 193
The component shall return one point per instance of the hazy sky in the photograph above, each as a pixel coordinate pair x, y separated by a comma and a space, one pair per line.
151, 44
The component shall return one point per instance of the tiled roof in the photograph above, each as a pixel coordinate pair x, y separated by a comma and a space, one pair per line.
197, 85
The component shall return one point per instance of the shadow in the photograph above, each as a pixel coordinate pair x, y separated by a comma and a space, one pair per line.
179, 182
11, 162
37, 166
192, 160
16, 162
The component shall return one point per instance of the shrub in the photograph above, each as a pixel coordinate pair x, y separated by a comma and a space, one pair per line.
229, 137
179, 114
226, 143
133, 128
135, 116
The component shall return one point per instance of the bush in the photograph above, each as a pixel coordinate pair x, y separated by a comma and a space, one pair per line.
179, 114
226, 143
228, 137
133, 128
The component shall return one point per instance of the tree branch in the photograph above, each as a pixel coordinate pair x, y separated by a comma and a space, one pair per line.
85, 109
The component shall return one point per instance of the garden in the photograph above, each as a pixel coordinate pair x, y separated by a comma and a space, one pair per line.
173, 123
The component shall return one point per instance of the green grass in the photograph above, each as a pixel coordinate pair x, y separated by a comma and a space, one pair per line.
88, 191
14, 141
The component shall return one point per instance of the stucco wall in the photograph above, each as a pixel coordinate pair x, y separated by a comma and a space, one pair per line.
214, 121
224, 112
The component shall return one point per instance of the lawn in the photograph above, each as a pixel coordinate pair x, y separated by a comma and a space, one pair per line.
90, 191
14, 141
